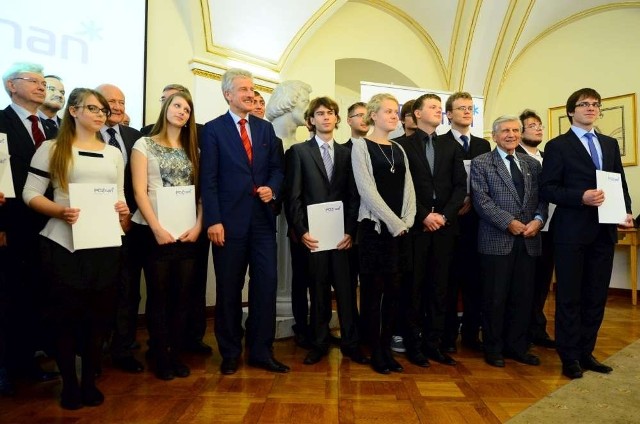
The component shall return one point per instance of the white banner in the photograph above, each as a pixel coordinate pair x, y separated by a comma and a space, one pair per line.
404, 94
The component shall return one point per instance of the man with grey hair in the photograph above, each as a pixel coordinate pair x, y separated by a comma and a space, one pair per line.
241, 172
504, 184
22, 133
53, 103
286, 109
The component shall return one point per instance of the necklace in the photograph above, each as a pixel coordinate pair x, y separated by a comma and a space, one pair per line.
392, 162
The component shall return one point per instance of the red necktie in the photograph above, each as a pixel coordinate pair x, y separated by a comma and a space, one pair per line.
38, 135
246, 143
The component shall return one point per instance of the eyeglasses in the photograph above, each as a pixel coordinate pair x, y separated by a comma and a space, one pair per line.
357, 115
95, 109
464, 108
587, 104
535, 127
41, 83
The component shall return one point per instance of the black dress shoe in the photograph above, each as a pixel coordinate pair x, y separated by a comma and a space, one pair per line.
438, 356
572, 369
378, 363
547, 342
180, 369
314, 356
270, 364
71, 398
356, 355
199, 347
128, 364
494, 359
523, 358
392, 364
592, 364
229, 366
91, 396
417, 358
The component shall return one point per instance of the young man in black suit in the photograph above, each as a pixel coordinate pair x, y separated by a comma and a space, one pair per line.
531, 126
22, 133
128, 297
465, 272
583, 247
318, 171
440, 184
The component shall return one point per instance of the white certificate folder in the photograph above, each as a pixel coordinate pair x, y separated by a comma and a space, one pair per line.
176, 209
613, 210
98, 223
326, 224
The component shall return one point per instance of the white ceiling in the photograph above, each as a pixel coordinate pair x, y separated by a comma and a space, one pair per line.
476, 41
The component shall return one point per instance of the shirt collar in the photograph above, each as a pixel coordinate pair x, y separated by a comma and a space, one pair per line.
457, 134
236, 118
580, 132
321, 142
23, 113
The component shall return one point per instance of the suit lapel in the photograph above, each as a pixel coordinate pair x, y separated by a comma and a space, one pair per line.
505, 175
577, 145
418, 144
607, 153
526, 174
26, 142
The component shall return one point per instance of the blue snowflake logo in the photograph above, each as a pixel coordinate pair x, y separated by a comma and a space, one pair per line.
91, 30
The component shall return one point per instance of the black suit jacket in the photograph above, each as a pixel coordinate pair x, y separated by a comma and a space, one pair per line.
307, 184
448, 181
477, 145
522, 150
14, 214
567, 173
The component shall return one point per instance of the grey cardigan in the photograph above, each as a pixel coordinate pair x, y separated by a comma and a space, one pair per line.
372, 206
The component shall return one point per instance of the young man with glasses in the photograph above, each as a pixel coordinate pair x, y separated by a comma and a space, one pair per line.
584, 247
531, 138
464, 275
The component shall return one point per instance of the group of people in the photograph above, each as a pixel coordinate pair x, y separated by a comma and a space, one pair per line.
417, 230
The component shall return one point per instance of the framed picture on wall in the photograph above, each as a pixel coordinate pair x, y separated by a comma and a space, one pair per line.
618, 120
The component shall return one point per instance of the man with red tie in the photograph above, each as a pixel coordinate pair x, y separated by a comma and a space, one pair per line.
21, 133
241, 172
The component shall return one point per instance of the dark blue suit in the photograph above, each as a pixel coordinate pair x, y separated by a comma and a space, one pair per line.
583, 248
228, 198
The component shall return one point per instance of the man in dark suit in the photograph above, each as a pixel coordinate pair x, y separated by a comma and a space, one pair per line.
241, 172
464, 274
440, 183
505, 195
583, 247
22, 132
319, 171
531, 126
53, 103
128, 297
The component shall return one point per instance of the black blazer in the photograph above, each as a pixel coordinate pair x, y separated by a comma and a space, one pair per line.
522, 150
307, 184
448, 181
14, 214
567, 173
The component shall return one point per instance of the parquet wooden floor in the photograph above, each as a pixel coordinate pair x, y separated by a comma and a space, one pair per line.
333, 391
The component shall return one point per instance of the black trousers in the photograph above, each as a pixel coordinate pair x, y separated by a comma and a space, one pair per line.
583, 272
542, 280
331, 268
425, 313
464, 279
507, 282
128, 293
197, 311
299, 286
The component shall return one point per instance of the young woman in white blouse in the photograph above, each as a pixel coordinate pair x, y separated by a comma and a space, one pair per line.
81, 283
168, 158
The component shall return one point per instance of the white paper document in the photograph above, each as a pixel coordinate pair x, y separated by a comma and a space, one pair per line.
326, 224
6, 178
467, 167
613, 209
98, 223
552, 209
176, 208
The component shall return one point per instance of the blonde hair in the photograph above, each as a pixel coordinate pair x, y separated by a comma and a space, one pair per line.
374, 105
